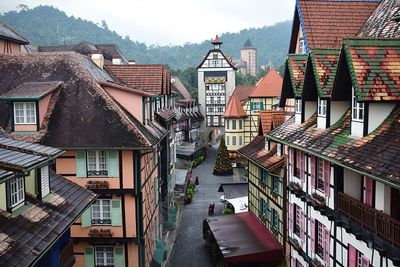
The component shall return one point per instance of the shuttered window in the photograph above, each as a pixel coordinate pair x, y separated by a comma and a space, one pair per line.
17, 191
97, 163
104, 256
101, 212
44, 181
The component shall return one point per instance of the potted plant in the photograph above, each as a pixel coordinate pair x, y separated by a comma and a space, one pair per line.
316, 263
319, 201
295, 186
295, 243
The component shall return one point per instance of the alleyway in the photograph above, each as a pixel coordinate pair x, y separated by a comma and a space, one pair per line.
189, 249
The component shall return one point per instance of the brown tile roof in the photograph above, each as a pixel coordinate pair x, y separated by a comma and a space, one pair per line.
254, 151
374, 68
31, 90
152, 78
269, 119
374, 155
234, 108
381, 23
243, 91
268, 86
296, 65
25, 238
8, 33
83, 115
166, 114
327, 22
178, 87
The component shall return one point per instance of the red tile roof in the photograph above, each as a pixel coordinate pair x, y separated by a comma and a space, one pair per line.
152, 78
269, 86
234, 108
270, 119
243, 91
326, 23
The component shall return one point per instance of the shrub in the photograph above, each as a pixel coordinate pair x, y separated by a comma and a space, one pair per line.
227, 211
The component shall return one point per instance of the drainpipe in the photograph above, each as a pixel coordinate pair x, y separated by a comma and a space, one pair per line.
139, 210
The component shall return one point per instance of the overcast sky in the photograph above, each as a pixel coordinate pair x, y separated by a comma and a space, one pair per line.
171, 21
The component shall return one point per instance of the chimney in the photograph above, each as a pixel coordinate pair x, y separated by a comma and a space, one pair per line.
131, 61
98, 58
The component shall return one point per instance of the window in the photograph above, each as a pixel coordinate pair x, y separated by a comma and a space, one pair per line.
264, 177
104, 256
298, 105
24, 112
227, 140
275, 184
234, 140
356, 258
227, 124
266, 144
302, 46
263, 208
320, 239
17, 192
240, 124
322, 107
297, 222
97, 163
233, 124
320, 175
275, 219
298, 163
358, 110
256, 106
279, 150
101, 212
240, 140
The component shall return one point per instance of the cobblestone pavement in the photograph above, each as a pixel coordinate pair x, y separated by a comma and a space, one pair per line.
189, 248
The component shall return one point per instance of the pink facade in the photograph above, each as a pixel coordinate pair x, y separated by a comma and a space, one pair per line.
8, 47
131, 101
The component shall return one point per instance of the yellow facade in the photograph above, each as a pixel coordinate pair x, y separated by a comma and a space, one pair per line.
234, 134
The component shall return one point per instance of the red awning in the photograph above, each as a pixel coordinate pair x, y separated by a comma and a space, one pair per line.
242, 238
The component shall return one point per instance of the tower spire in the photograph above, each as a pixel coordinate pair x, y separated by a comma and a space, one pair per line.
217, 42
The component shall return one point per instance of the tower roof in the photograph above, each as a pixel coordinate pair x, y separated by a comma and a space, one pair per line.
217, 40
234, 109
248, 44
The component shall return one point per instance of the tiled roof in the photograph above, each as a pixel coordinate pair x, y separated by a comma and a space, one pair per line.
254, 151
31, 90
374, 155
234, 108
326, 22
152, 78
268, 86
83, 115
382, 22
6, 32
324, 64
270, 119
243, 91
296, 65
374, 68
177, 86
248, 44
166, 114
23, 239
111, 51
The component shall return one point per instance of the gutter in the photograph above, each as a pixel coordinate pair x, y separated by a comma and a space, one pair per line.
336, 162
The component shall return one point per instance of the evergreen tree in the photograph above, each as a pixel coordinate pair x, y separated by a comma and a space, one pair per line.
223, 164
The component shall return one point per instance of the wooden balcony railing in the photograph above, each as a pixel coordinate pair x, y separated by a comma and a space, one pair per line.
67, 258
382, 224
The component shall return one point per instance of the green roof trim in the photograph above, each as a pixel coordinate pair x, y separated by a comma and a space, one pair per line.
297, 90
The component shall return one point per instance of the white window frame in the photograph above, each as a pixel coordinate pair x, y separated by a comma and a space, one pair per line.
298, 105
24, 110
104, 217
233, 140
322, 107
44, 180
105, 252
357, 113
266, 144
278, 149
302, 46
98, 168
17, 191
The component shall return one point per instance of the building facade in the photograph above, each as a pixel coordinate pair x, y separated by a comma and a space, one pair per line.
248, 53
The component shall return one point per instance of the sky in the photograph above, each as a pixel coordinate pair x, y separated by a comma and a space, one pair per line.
176, 22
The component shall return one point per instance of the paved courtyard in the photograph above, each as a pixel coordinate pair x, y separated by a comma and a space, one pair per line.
189, 248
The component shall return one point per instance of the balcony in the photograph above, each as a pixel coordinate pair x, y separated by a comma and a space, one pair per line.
67, 258
380, 223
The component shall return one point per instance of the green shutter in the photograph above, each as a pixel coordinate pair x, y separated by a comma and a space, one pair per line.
251, 106
89, 257
81, 163
113, 163
86, 218
261, 105
119, 259
272, 217
277, 185
116, 214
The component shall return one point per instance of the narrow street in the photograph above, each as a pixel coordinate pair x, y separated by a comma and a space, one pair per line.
189, 249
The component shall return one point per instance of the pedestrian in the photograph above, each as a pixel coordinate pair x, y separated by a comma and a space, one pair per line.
196, 182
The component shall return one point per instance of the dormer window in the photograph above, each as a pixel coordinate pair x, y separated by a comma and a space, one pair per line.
25, 112
322, 107
302, 46
17, 191
279, 150
358, 110
298, 106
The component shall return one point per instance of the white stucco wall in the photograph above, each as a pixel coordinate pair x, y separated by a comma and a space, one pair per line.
310, 107
352, 184
377, 113
338, 108
382, 199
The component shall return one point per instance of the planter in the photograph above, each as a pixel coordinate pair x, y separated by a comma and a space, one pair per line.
296, 187
318, 200
316, 263
295, 244
97, 185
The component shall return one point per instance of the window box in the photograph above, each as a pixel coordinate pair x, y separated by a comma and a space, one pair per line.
316, 263
318, 201
100, 233
295, 243
295, 187
97, 185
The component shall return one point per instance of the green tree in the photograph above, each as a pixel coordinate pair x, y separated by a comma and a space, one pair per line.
223, 164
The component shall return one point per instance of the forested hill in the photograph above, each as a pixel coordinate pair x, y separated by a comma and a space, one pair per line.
47, 25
